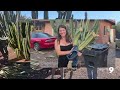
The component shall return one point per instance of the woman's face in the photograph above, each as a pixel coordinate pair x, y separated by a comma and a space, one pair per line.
62, 32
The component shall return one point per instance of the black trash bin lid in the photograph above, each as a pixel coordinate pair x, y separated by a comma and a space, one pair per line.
98, 46
96, 49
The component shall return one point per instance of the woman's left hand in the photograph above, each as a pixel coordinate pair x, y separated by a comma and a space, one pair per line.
79, 54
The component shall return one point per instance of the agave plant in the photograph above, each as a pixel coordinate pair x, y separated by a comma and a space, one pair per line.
84, 35
81, 33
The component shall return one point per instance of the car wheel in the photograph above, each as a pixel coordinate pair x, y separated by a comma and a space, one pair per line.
36, 46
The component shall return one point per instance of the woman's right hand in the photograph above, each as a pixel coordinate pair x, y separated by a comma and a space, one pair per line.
71, 51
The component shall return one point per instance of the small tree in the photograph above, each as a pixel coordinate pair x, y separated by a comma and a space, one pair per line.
117, 27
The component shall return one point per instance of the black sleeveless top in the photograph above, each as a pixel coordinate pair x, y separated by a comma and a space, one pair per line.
62, 59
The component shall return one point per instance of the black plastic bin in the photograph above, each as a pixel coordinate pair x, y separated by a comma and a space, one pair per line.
96, 57
4, 51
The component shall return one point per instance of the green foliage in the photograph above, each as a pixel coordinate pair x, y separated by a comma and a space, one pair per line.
118, 27
3, 26
80, 32
17, 41
18, 33
55, 24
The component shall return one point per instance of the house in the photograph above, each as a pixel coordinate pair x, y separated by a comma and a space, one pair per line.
105, 36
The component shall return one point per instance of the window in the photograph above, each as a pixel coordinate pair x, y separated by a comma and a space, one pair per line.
34, 35
43, 35
39, 25
48, 34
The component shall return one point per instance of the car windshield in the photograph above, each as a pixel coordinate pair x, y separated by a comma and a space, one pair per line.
48, 34
40, 35
34, 35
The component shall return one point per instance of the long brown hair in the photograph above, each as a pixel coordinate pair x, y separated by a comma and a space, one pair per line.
68, 38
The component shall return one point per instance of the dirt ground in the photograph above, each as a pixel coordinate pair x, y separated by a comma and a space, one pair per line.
43, 63
12, 56
44, 59
15, 69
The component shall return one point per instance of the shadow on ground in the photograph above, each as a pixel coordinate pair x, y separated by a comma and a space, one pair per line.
40, 74
23, 71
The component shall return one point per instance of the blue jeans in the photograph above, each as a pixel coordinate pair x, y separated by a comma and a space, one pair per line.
75, 62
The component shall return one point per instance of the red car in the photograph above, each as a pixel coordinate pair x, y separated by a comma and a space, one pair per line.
42, 40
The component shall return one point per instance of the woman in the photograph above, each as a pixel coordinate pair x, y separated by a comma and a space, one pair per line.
63, 46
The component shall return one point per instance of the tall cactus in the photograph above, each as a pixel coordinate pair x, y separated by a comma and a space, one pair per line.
13, 29
17, 16
34, 14
3, 26
59, 14
18, 42
17, 19
64, 14
69, 14
46, 15
10, 16
86, 16
6, 13
3, 38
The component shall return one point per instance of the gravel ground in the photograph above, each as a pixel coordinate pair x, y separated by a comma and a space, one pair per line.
46, 59
118, 53
40, 61
15, 69
19, 71
81, 73
43, 59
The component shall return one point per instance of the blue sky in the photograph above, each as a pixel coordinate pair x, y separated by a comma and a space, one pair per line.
115, 15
